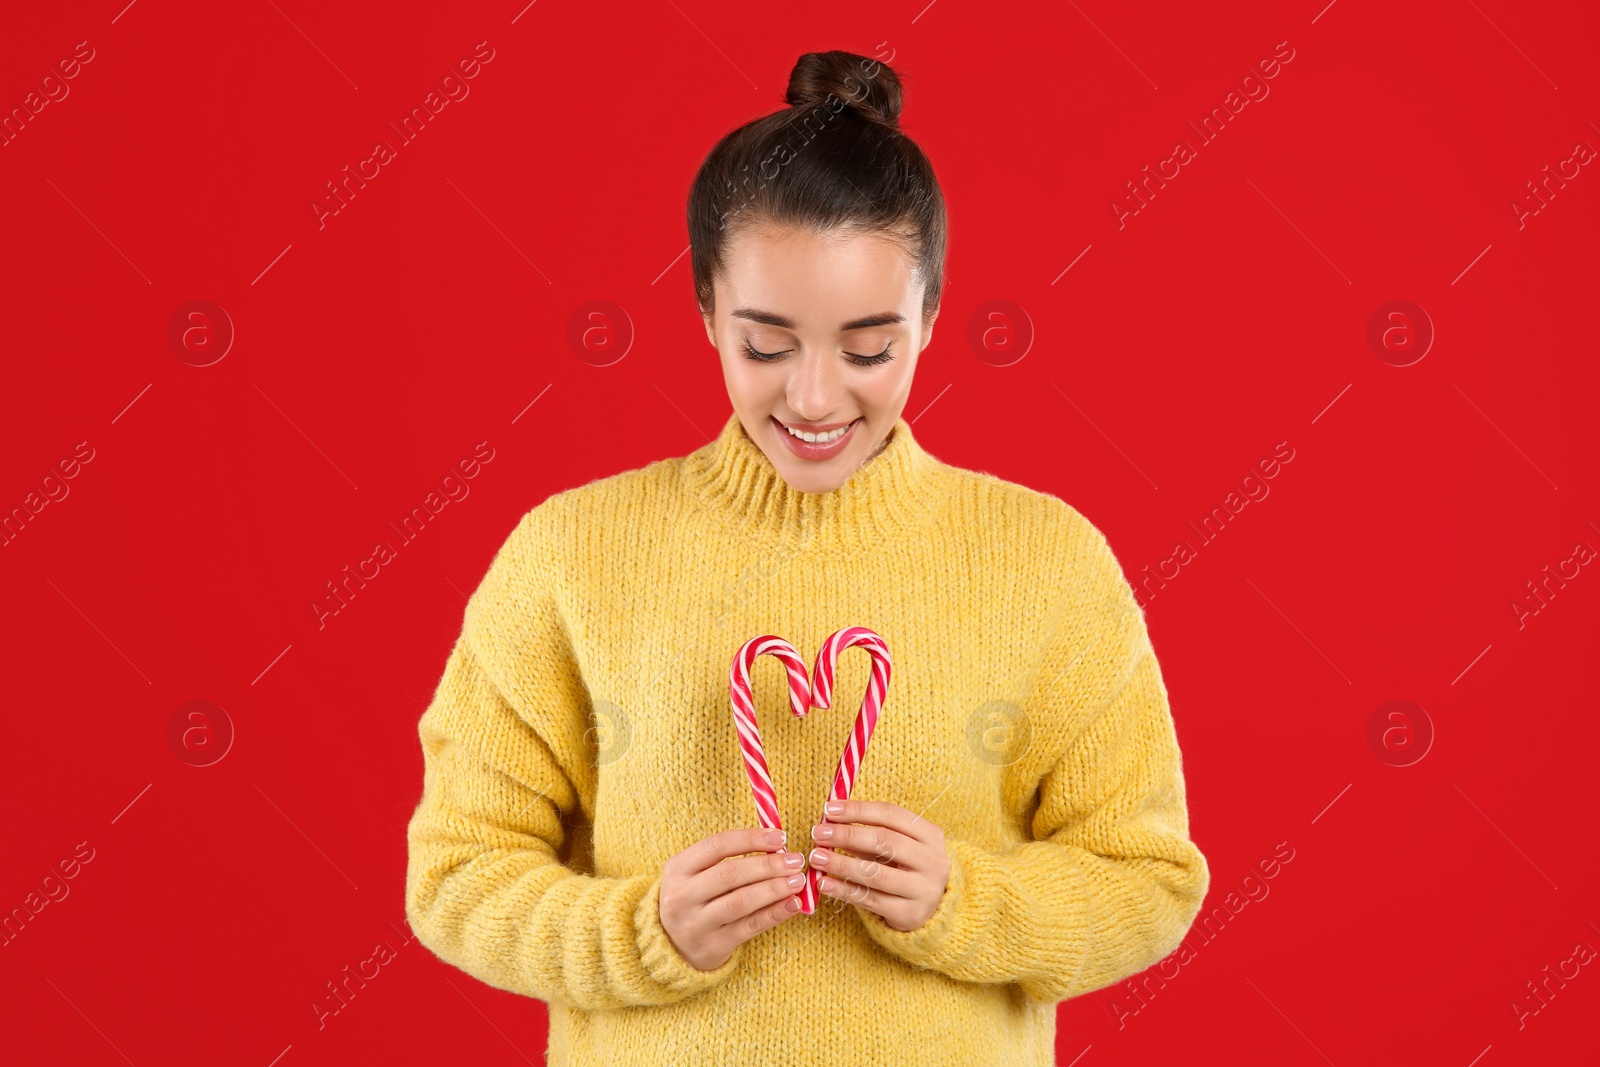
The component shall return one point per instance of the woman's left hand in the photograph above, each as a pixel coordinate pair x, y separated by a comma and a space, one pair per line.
899, 868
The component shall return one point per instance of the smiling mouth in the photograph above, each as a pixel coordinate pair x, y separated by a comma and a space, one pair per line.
814, 447
818, 437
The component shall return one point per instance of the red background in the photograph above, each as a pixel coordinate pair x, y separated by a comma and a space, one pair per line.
374, 352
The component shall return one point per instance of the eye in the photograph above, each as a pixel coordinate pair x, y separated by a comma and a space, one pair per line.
860, 361
873, 361
765, 357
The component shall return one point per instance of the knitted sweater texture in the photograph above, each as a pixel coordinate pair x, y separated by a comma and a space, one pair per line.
582, 734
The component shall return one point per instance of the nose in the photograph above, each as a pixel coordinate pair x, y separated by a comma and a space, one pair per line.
814, 387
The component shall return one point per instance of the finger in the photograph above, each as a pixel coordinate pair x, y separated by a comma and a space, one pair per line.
733, 874
874, 842
711, 850
895, 909
892, 816
733, 908
891, 881
767, 918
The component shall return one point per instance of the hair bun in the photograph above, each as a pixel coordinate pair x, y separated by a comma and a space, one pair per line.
867, 86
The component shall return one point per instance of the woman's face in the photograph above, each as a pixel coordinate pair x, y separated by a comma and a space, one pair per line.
827, 308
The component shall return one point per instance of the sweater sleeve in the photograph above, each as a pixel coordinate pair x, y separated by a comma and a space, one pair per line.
1111, 882
486, 889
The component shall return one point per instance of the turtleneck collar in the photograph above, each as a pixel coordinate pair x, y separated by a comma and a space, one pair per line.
887, 494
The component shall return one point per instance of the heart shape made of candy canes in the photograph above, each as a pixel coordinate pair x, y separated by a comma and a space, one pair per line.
805, 693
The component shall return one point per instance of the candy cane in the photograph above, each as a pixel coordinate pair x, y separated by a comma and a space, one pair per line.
822, 677
744, 715
804, 694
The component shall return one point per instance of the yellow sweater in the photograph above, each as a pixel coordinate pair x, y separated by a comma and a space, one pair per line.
582, 734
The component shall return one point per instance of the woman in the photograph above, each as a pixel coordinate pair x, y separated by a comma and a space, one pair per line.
1018, 832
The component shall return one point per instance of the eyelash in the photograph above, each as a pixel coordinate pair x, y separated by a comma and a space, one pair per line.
860, 361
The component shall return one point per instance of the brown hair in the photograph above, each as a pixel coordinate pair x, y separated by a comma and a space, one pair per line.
835, 159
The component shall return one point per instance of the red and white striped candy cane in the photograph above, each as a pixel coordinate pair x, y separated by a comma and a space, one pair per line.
822, 676
744, 715
805, 693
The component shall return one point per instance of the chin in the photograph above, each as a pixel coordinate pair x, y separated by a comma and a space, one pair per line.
809, 480
812, 476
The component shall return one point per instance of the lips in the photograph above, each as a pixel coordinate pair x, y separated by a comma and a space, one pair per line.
816, 452
815, 427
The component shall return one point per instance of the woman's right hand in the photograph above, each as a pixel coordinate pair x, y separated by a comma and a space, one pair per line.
711, 903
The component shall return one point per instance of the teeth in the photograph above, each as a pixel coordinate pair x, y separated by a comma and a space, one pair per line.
820, 438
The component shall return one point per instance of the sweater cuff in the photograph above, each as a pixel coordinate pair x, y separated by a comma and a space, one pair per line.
944, 936
660, 957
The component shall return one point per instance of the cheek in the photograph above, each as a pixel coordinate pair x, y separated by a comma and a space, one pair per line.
748, 380
887, 388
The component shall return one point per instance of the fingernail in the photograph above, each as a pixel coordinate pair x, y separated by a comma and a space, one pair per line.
835, 807
826, 885
822, 833
776, 837
819, 858
792, 904
794, 859
797, 880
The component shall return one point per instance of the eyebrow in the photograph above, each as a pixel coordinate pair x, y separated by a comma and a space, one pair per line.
882, 318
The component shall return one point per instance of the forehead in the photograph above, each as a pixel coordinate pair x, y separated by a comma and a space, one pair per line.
817, 278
